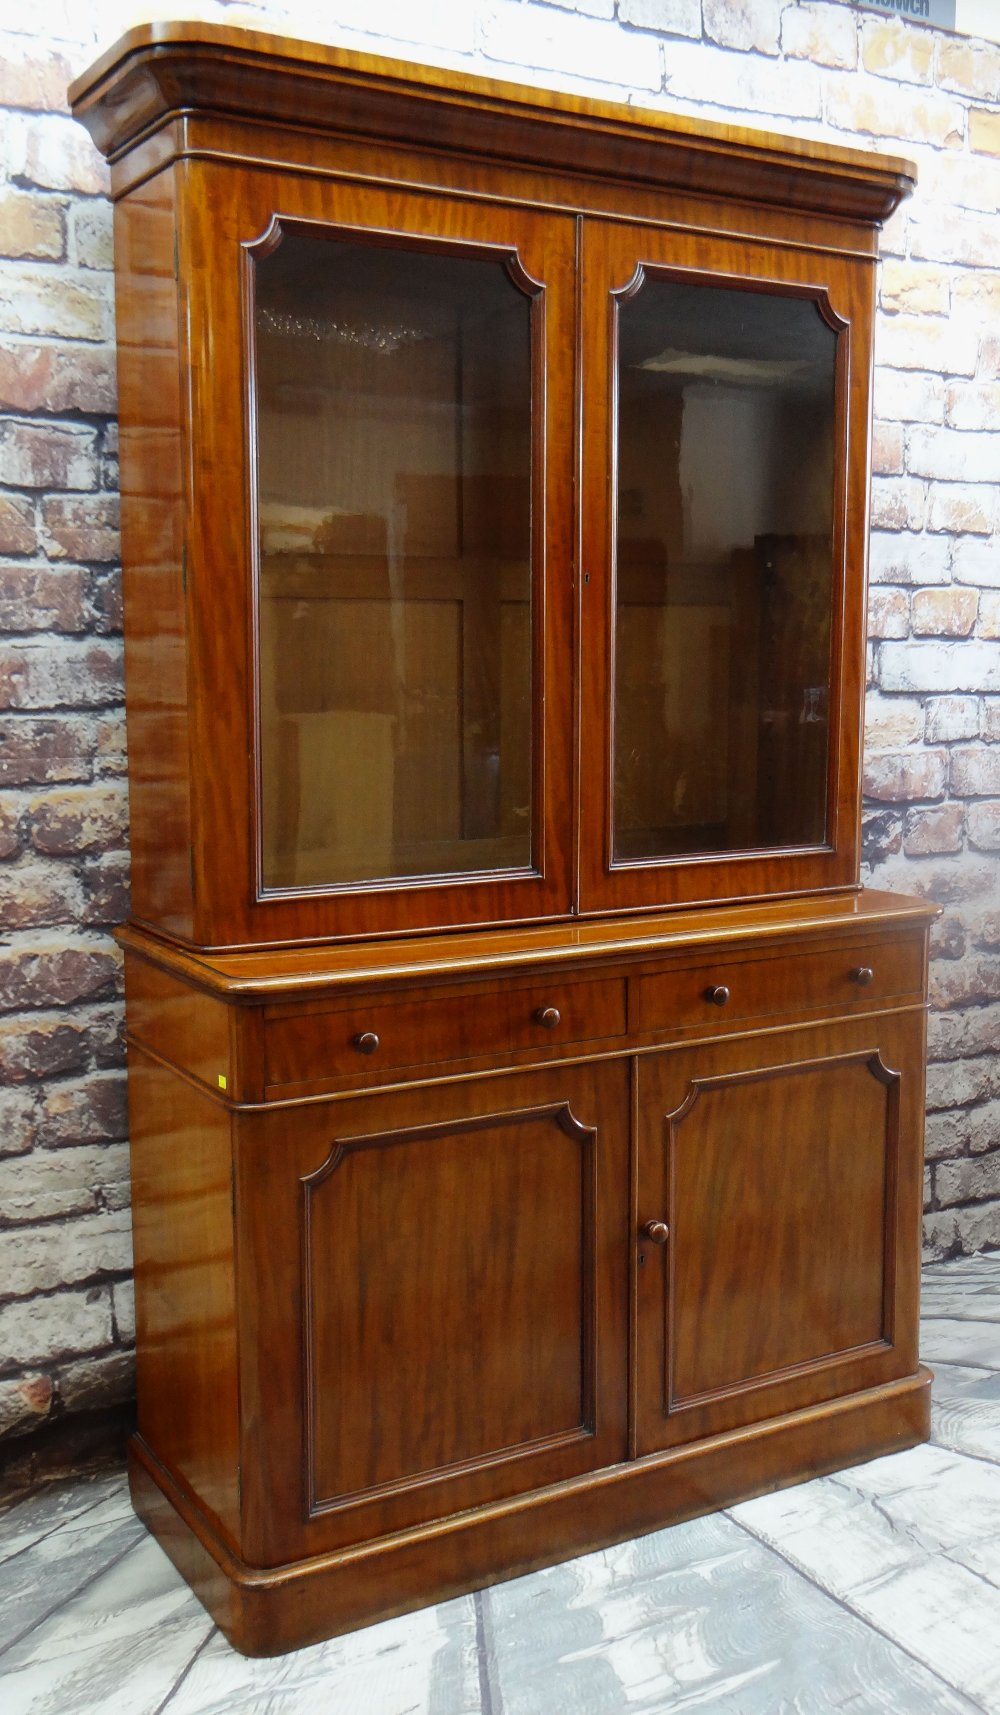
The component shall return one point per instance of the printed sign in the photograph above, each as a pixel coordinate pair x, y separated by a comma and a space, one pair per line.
940, 12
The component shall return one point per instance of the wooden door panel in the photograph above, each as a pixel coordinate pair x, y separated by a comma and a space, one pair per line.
335, 742
439, 1283
692, 778
788, 1173
429, 1251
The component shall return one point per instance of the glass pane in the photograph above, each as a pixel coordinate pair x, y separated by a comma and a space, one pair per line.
394, 480
724, 583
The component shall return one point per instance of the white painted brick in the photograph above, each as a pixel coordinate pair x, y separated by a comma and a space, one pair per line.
960, 507
55, 152
825, 34
941, 233
905, 558
905, 397
51, 1182
43, 1258
671, 17
891, 48
25, 1402
949, 718
978, 563
954, 454
897, 503
966, 666
65, 303
581, 47
697, 71
968, 181
975, 771
33, 1330
123, 1302
92, 1383
900, 777
973, 404
892, 722
434, 23
877, 108
743, 24
927, 342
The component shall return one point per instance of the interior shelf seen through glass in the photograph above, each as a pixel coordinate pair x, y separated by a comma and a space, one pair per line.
724, 570
393, 401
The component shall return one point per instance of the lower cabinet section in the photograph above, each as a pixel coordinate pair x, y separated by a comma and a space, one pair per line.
397, 1344
441, 1300
783, 1210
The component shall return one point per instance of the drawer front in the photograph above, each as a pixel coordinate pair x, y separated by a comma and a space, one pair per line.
301, 1047
843, 977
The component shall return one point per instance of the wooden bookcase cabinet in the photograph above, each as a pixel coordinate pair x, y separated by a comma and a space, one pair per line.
487, 1210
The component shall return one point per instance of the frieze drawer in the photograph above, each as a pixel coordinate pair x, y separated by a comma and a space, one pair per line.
846, 977
304, 1047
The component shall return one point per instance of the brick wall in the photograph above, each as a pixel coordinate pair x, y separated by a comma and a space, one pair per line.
814, 67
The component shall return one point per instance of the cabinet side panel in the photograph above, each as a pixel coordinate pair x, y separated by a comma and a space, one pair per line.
185, 1285
152, 416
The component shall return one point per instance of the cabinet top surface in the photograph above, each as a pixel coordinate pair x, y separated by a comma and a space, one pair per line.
163, 68
258, 975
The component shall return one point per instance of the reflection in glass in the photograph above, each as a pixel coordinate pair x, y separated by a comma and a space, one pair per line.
724, 583
393, 392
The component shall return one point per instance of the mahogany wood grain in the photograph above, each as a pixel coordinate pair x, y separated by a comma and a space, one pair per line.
187, 1027
324, 1044
186, 1294
152, 406
789, 1171
386, 1242
265, 1612
226, 215
614, 258
416, 1319
276, 974
166, 67
780, 982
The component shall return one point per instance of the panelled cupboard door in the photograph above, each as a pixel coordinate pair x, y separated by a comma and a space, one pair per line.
439, 1290
725, 411
384, 486
787, 1171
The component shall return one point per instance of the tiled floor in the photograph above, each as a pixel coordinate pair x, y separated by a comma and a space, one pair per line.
874, 1590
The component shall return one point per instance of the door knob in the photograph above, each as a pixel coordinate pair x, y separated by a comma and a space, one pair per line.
657, 1231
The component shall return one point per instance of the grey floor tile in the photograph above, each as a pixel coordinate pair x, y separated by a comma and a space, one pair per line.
960, 1341
421, 1664
698, 1617
52, 1571
889, 1540
56, 1506
119, 1648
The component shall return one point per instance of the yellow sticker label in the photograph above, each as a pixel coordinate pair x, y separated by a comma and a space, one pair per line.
223, 1085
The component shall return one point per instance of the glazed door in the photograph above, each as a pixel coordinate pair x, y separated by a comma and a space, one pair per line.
725, 427
390, 501
778, 1224
439, 1291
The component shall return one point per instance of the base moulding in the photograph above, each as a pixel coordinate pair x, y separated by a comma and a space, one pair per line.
267, 1611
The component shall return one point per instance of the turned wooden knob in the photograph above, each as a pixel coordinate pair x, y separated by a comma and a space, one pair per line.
862, 975
717, 995
657, 1231
549, 1016
366, 1042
